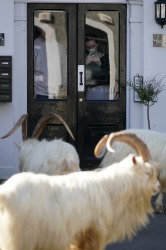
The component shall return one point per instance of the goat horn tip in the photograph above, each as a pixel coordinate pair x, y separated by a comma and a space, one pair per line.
110, 149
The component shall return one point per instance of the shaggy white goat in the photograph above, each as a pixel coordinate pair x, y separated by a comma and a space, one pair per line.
81, 210
50, 157
156, 142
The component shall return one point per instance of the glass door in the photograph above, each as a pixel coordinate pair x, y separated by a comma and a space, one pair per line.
77, 69
102, 54
52, 68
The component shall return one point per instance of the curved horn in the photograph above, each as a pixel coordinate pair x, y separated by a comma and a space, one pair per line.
22, 121
40, 125
131, 139
65, 125
44, 120
99, 146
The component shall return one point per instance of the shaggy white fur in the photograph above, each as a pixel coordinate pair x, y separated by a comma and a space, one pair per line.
156, 142
81, 210
55, 157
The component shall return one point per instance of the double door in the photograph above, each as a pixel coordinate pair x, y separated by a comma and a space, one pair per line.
77, 69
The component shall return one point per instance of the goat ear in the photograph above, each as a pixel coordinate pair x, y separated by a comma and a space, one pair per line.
134, 160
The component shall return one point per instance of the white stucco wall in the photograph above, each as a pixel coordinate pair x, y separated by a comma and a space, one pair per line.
134, 59
7, 164
154, 64
146, 60
142, 58
13, 24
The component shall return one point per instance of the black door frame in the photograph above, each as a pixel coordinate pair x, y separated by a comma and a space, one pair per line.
72, 110
111, 121
66, 108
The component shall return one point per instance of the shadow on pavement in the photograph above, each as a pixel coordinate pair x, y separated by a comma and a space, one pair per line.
153, 237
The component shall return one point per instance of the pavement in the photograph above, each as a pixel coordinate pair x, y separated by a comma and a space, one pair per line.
153, 237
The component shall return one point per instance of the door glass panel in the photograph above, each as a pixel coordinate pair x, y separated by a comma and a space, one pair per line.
102, 55
50, 55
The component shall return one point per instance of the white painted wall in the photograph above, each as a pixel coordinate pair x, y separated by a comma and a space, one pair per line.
7, 164
146, 60
142, 58
13, 24
134, 58
153, 64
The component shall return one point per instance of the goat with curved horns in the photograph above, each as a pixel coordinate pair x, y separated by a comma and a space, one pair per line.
49, 157
58, 218
156, 142
39, 127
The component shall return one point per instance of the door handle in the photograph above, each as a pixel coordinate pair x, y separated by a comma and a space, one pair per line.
81, 73
81, 78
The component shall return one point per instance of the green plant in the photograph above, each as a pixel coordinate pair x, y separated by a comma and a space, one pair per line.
148, 91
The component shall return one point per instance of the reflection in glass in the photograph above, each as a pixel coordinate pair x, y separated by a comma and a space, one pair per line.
50, 57
101, 58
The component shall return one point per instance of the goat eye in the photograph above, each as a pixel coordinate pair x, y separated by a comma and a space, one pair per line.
134, 160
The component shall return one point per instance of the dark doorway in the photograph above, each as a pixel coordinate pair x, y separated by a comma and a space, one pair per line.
91, 99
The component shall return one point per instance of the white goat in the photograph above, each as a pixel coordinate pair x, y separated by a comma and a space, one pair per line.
81, 210
49, 157
156, 142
